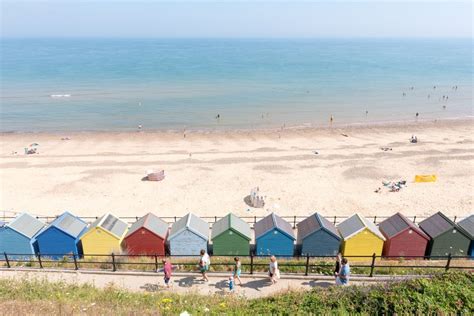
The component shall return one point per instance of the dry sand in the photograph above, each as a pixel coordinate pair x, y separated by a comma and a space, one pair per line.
210, 173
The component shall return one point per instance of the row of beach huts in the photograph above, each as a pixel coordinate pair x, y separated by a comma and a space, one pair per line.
230, 235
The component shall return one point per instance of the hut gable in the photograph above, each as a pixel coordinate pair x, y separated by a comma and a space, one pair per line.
271, 222
26, 225
231, 221
436, 225
315, 223
152, 223
192, 223
69, 224
111, 224
355, 224
398, 223
467, 225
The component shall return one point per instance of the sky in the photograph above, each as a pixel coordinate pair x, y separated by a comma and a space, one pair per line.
236, 19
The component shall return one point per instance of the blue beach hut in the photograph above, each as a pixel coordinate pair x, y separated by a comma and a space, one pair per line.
188, 236
61, 237
17, 236
274, 236
318, 236
467, 225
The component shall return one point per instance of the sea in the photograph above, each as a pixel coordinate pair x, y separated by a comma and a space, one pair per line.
100, 84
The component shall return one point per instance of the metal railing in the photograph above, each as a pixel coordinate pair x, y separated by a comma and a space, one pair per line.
251, 220
115, 261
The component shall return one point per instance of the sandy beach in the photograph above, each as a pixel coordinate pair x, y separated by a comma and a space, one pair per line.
210, 173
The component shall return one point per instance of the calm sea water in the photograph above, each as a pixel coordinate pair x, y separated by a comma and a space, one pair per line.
118, 84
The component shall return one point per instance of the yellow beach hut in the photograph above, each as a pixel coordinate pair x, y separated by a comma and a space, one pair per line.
104, 236
360, 238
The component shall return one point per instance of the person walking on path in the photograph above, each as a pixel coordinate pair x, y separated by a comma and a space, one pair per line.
337, 266
204, 264
344, 273
237, 269
167, 269
273, 271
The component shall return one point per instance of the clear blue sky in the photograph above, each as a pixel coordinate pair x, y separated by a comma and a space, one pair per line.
319, 18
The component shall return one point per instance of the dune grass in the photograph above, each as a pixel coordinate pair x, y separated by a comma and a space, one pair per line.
444, 294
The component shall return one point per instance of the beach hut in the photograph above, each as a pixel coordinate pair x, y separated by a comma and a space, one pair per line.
231, 236
318, 236
360, 237
403, 238
17, 236
61, 236
468, 225
274, 236
446, 237
104, 236
147, 236
188, 236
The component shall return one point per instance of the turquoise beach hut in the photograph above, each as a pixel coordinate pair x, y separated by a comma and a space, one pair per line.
17, 237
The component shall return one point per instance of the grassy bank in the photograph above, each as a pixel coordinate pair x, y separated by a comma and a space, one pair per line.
450, 293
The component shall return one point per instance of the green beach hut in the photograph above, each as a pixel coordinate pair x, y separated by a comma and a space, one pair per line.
231, 236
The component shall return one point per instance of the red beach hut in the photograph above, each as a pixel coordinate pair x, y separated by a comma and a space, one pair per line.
147, 236
404, 238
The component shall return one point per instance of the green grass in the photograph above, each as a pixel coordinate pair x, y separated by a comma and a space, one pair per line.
445, 294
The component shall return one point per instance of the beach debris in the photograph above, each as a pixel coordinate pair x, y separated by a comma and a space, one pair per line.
152, 175
425, 178
345, 135
385, 148
392, 186
413, 139
315, 152
32, 149
65, 138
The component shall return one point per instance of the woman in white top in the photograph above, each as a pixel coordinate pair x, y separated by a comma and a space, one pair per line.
273, 271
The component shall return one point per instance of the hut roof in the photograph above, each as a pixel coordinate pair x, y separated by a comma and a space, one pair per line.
192, 223
398, 223
111, 224
2, 223
26, 225
355, 224
231, 221
151, 222
436, 225
69, 224
468, 225
314, 223
270, 222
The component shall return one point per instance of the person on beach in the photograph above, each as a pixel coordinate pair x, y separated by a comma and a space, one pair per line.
273, 271
337, 266
167, 269
343, 276
204, 263
237, 270
331, 119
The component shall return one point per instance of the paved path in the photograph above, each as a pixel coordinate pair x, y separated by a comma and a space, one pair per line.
253, 286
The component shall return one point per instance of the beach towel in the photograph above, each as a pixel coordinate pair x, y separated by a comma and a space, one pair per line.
425, 178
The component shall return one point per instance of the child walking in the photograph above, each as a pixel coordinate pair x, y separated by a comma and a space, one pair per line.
237, 269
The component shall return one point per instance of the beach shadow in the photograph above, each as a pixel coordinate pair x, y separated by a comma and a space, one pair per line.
221, 284
247, 200
187, 281
257, 284
150, 287
322, 284
145, 178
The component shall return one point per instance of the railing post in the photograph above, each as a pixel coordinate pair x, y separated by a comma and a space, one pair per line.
335, 220
255, 219
455, 218
156, 263
449, 262
251, 264
307, 265
113, 263
76, 267
39, 261
372, 266
6, 259
175, 218
215, 219
375, 219
294, 222
414, 219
